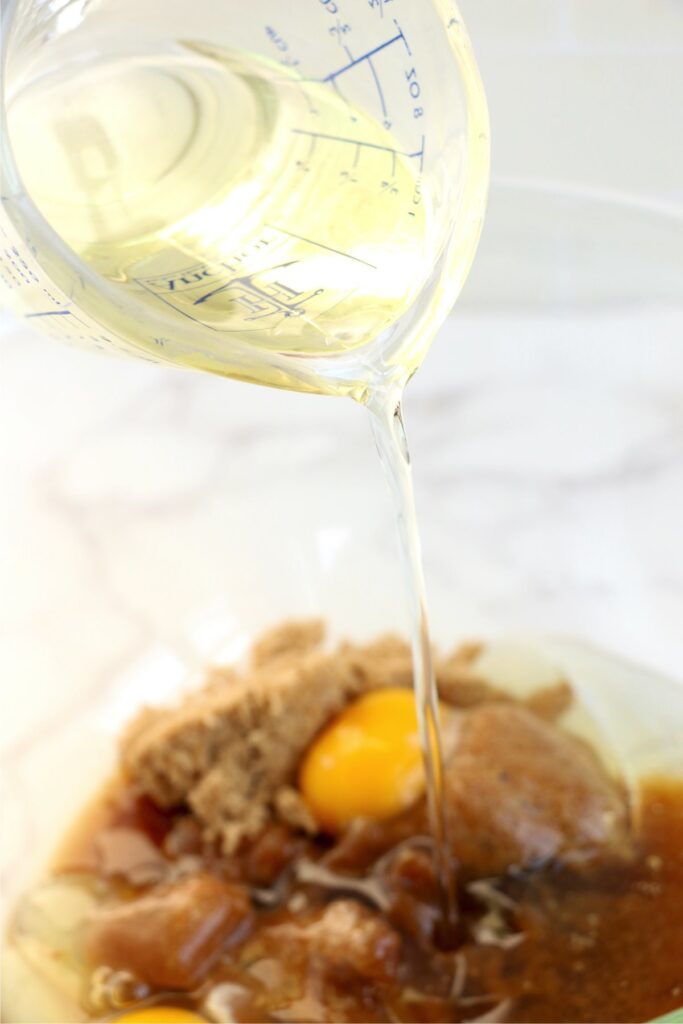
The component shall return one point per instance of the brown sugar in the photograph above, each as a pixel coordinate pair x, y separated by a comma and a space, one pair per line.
231, 749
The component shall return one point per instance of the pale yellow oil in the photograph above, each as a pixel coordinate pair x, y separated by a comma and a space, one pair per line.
230, 199
231, 216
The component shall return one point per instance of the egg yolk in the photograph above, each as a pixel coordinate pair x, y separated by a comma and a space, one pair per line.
160, 1015
367, 763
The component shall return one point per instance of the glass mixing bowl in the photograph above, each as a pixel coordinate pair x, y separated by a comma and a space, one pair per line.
160, 519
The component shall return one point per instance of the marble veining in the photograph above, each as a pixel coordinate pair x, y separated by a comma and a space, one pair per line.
152, 519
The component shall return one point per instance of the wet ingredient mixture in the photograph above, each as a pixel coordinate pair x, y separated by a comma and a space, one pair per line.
265, 855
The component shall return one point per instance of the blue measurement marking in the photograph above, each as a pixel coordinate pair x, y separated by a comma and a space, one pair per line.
49, 312
358, 142
379, 87
321, 245
342, 97
401, 36
420, 153
307, 99
313, 143
358, 60
78, 320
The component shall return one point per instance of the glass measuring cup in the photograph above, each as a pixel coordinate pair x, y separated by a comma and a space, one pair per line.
290, 197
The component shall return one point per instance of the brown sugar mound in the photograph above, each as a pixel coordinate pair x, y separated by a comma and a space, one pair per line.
231, 749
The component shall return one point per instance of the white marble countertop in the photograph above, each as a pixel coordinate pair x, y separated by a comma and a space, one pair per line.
549, 478
152, 518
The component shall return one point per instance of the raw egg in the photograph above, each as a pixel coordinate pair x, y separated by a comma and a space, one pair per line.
367, 763
160, 1015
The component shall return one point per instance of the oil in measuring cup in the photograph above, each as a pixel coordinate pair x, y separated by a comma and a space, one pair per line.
241, 213
230, 212
219, 190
